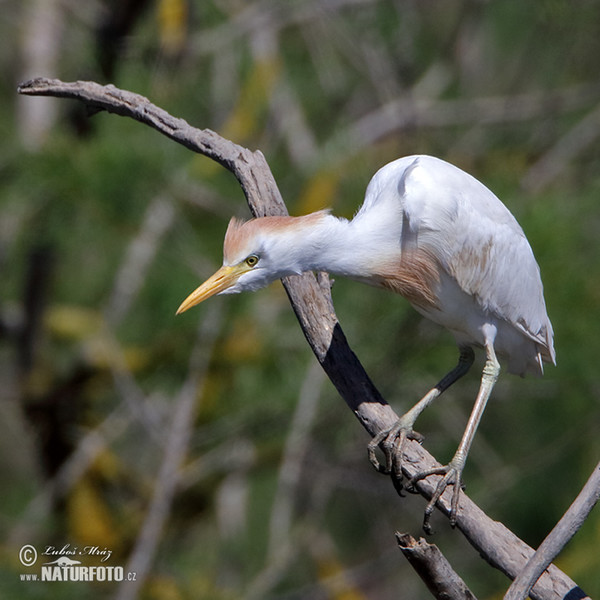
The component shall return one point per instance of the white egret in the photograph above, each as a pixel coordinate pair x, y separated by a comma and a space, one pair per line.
437, 236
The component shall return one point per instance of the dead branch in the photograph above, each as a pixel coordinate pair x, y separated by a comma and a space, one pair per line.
433, 568
312, 303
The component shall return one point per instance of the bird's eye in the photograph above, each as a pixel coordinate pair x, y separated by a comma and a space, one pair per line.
252, 260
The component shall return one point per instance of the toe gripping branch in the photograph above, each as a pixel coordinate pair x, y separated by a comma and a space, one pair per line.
392, 442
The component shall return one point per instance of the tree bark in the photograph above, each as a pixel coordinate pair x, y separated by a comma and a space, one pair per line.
433, 568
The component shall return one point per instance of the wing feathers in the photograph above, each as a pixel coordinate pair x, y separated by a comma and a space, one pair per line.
478, 243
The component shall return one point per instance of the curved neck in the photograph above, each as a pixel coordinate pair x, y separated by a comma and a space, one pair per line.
322, 242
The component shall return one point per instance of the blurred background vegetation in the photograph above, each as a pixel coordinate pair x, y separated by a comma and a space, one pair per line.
207, 451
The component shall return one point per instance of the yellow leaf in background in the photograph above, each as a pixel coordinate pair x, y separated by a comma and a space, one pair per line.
72, 322
163, 588
106, 464
319, 192
244, 120
203, 168
79, 324
244, 343
253, 100
332, 576
89, 519
136, 358
332, 573
104, 353
207, 402
204, 586
172, 20
39, 380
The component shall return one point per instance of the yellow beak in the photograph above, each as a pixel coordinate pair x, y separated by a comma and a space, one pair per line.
224, 278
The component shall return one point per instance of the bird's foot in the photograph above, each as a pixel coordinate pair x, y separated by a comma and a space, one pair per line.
452, 475
392, 441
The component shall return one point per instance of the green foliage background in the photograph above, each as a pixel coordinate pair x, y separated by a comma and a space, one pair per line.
329, 92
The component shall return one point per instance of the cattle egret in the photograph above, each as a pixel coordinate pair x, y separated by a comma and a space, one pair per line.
437, 236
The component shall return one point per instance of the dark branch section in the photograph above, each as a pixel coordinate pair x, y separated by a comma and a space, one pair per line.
311, 301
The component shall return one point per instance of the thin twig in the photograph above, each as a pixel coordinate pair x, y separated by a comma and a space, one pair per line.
283, 546
407, 113
178, 439
558, 538
260, 15
138, 257
70, 472
126, 386
293, 455
554, 162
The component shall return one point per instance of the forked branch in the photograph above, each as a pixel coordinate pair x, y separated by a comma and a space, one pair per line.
311, 301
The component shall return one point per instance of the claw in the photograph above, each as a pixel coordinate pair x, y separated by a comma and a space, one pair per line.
416, 436
371, 449
452, 475
392, 441
386, 440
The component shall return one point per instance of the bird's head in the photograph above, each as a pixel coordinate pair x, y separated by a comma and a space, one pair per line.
255, 253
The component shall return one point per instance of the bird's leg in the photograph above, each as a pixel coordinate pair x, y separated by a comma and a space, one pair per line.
452, 472
392, 440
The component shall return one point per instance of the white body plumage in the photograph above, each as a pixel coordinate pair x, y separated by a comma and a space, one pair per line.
430, 232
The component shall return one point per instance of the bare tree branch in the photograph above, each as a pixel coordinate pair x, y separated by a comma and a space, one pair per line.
433, 568
70, 472
40, 54
554, 162
140, 252
311, 301
166, 482
296, 445
283, 544
262, 15
404, 113
557, 539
